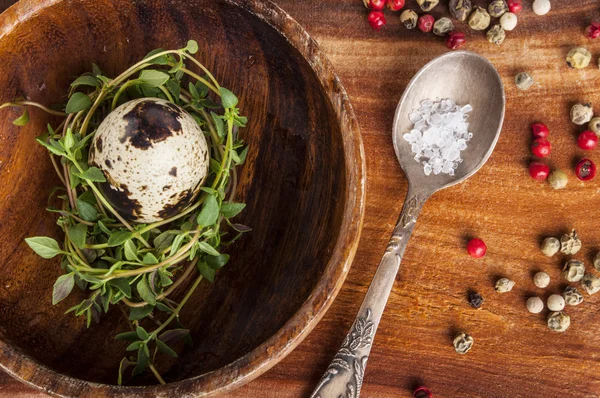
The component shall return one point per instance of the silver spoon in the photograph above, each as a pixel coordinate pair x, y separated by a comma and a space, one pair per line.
466, 78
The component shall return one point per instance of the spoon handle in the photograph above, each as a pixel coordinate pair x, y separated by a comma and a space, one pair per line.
344, 376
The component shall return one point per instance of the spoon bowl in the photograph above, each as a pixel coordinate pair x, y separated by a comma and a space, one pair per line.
466, 78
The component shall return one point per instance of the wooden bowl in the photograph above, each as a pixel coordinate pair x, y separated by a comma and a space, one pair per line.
304, 183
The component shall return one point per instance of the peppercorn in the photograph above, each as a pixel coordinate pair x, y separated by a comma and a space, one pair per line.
541, 280
593, 31
515, 6
426, 23
570, 243
558, 321
572, 296
538, 170
555, 303
540, 130
479, 19
497, 8
595, 125
551, 246
523, 80
409, 18
573, 271
463, 343
475, 299
376, 20
504, 285
422, 392
597, 262
496, 35
587, 140
476, 248
460, 9
581, 113
508, 21
443, 26
395, 5
558, 179
541, 7
455, 40
585, 170
427, 5
579, 58
535, 305
376, 5
541, 147
590, 283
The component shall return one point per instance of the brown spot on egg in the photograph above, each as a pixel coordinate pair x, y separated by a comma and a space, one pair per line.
119, 158
143, 187
173, 172
99, 145
166, 188
186, 198
149, 122
121, 200
108, 163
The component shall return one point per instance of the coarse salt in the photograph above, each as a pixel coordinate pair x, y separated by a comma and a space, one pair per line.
439, 134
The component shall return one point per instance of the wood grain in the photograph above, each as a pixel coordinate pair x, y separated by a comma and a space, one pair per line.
515, 355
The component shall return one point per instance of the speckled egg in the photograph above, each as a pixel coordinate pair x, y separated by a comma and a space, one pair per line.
154, 156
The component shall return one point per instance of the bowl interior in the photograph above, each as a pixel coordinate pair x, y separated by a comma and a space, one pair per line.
294, 182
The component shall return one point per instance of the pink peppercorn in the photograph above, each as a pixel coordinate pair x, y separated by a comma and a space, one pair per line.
426, 23
593, 31
515, 6
476, 248
455, 40
422, 392
376, 20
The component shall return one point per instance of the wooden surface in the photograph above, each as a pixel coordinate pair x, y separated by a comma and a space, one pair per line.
514, 355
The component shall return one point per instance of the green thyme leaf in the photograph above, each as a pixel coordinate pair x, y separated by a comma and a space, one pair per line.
177, 66
192, 47
77, 233
96, 71
87, 211
242, 155
125, 363
230, 210
130, 250
22, 120
173, 87
228, 99
206, 271
206, 248
173, 335
63, 287
145, 292
193, 91
160, 306
68, 140
137, 313
216, 262
134, 346
164, 240
44, 247
86, 80
127, 336
209, 213
52, 148
165, 280
165, 349
150, 259
219, 124
78, 102
154, 78
177, 243
141, 332
124, 287
162, 60
93, 174
119, 237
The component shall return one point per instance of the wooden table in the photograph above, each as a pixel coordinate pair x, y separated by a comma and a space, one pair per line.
515, 355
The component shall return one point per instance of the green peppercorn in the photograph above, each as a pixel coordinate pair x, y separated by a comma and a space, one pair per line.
579, 58
523, 80
443, 26
595, 125
460, 9
496, 35
497, 8
581, 114
479, 19
409, 18
427, 5
558, 179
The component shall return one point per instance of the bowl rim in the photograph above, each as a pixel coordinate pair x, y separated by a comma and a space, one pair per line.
256, 362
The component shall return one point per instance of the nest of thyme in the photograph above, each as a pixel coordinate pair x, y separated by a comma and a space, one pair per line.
139, 266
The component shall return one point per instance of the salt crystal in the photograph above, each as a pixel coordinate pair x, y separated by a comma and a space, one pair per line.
439, 134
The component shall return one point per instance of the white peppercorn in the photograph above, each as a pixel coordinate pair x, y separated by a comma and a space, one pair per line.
551, 246
595, 125
559, 321
597, 262
479, 19
497, 8
555, 303
460, 9
541, 7
463, 343
504, 285
443, 26
523, 80
581, 113
572, 296
427, 5
558, 179
535, 305
574, 270
590, 283
409, 18
496, 35
570, 243
541, 279
579, 58
509, 21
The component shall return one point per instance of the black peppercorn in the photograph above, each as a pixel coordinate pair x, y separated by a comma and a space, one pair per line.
475, 299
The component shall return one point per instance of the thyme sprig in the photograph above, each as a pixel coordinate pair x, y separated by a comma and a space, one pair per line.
139, 266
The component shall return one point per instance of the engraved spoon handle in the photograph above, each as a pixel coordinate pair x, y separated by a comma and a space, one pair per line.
344, 376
